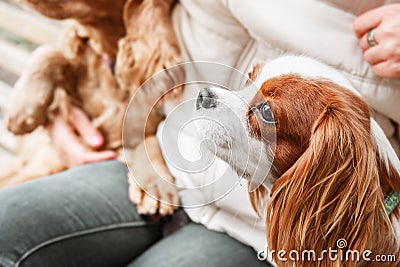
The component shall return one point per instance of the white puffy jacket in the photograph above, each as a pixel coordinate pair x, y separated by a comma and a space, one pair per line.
241, 33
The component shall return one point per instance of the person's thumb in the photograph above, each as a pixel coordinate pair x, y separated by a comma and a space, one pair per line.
84, 127
94, 156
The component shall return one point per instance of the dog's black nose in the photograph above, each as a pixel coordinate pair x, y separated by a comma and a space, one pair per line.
206, 99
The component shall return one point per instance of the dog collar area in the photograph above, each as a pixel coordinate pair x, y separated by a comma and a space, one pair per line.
391, 202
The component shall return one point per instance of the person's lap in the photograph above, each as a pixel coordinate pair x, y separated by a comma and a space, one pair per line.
83, 217
194, 245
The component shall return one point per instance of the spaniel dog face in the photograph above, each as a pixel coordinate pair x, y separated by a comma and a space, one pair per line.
224, 128
324, 165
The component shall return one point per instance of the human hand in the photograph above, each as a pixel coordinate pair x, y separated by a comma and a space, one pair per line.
384, 57
67, 137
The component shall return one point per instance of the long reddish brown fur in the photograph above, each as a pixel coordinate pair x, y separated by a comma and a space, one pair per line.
331, 182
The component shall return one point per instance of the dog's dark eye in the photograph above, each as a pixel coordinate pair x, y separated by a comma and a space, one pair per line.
266, 114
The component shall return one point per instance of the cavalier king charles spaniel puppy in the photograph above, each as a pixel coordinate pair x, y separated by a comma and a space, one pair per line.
320, 168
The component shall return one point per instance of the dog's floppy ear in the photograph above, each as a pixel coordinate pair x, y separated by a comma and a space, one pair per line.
135, 8
258, 200
333, 191
131, 6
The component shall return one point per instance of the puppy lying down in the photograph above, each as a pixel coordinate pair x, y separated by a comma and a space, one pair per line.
80, 72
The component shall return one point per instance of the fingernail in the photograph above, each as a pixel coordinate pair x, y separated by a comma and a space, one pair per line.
97, 140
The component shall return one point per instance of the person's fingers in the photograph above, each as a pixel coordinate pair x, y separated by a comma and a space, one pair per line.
85, 128
66, 142
375, 55
387, 69
70, 147
368, 21
95, 156
363, 41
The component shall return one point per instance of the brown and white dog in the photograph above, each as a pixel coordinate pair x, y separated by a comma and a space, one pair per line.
326, 166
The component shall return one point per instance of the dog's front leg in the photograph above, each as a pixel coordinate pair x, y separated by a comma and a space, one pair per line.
34, 91
151, 186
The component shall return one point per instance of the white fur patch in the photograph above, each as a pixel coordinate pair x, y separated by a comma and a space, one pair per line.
225, 129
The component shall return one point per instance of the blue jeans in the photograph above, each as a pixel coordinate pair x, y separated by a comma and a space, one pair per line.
83, 217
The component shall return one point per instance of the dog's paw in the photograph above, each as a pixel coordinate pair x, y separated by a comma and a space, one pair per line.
33, 93
155, 197
151, 185
24, 119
